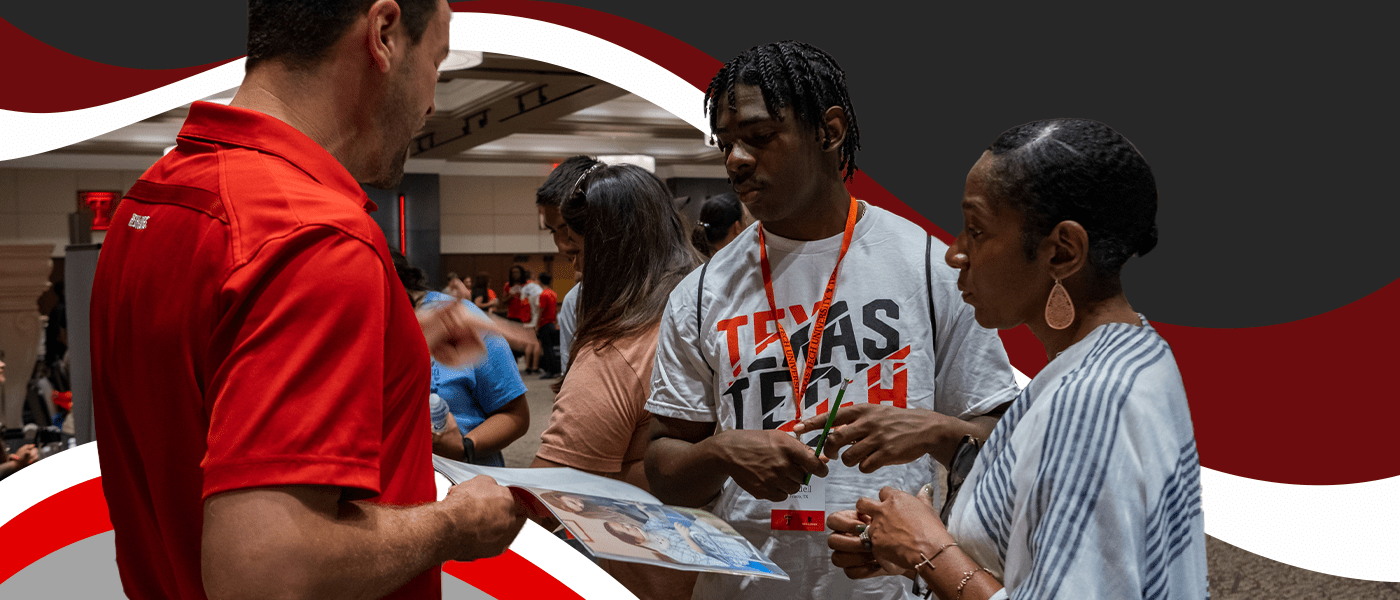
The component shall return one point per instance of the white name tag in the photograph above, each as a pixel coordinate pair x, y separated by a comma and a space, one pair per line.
804, 510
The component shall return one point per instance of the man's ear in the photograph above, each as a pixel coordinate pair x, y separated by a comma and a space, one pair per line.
383, 36
834, 126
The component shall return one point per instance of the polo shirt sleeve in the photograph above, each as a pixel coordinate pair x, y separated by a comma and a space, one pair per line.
972, 372
297, 395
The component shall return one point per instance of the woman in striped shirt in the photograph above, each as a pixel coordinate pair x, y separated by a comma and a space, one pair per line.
1089, 485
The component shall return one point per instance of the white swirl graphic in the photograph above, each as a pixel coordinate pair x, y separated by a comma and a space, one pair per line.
1344, 530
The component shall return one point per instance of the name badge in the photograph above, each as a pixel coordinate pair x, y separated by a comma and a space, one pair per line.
802, 511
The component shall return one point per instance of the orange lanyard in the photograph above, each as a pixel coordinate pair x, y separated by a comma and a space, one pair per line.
799, 388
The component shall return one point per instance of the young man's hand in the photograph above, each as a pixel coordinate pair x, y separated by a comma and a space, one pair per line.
769, 464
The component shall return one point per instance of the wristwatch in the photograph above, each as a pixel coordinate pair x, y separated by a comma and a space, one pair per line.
468, 450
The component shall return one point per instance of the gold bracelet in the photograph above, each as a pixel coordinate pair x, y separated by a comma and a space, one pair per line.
968, 577
929, 560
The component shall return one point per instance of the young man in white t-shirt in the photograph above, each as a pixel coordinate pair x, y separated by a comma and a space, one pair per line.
722, 389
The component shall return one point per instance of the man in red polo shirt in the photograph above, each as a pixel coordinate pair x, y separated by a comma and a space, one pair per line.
260, 380
546, 328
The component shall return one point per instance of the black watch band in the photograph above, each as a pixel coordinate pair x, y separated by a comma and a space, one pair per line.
468, 450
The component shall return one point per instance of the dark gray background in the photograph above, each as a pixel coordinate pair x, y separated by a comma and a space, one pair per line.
1269, 130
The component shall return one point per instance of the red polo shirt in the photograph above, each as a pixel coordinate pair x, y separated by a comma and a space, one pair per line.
248, 330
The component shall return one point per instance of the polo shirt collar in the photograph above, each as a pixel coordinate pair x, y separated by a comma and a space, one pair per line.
264, 133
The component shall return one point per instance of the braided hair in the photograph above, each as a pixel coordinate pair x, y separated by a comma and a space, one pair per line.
791, 73
1078, 170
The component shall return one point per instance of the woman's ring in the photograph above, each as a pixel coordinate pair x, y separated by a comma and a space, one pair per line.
865, 539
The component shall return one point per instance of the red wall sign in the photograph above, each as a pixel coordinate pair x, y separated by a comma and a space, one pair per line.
102, 204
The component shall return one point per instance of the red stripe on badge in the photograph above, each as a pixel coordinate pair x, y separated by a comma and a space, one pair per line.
798, 520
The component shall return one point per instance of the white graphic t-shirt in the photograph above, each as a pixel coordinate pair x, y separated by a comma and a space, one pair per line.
722, 362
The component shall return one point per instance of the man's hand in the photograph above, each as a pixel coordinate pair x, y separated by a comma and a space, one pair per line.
485, 518
880, 435
768, 464
454, 336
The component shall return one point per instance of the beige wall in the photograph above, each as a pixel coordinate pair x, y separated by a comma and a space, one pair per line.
34, 203
484, 214
480, 213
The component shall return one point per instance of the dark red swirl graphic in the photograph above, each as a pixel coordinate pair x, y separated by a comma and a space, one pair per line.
1259, 396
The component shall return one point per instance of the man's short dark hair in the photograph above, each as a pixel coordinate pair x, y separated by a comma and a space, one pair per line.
562, 180
299, 32
791, 73
546, 278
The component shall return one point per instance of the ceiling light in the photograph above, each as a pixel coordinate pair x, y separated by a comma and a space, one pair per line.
641, 160
461, 59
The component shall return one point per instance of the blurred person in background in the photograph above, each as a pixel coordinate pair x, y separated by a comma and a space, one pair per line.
520, 311
517, 307
481, 293
722, 218
486, 401
546, 327
26, 454
457, 287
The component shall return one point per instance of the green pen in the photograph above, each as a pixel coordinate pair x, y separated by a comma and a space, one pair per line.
830, 420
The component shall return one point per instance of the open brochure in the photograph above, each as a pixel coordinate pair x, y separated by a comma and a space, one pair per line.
618, 521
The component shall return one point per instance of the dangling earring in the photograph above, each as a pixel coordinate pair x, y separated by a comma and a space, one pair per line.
1059, 311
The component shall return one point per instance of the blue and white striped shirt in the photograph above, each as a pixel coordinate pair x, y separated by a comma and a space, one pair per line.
1089, 487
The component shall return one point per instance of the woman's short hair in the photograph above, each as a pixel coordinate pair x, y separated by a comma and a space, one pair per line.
1077, 170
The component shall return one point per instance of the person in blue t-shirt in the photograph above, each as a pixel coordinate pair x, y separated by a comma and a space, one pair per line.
487, 400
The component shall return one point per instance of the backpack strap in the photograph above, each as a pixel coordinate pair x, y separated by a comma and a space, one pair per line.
700, 297
928, 284
700, 314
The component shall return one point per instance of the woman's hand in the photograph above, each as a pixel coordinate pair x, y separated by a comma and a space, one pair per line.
847, 550
901, 527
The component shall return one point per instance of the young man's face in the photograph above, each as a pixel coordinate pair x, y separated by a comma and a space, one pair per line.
568, 241
773, 161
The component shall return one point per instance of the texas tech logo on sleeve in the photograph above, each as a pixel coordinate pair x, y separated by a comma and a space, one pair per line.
869, 345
